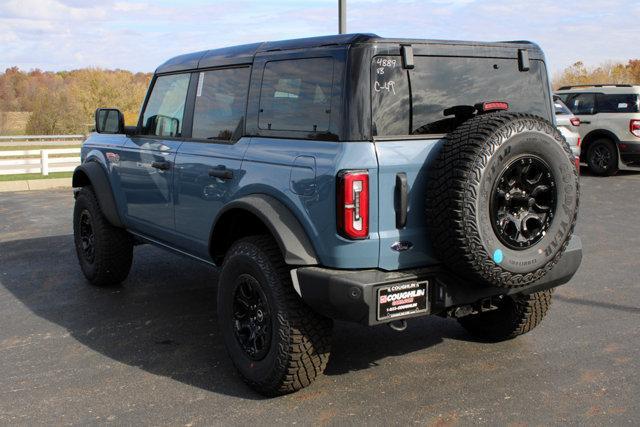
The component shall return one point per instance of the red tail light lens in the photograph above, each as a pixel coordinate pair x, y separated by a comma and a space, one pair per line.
634, 127
579, 142
353, 204
494, 106
575, 121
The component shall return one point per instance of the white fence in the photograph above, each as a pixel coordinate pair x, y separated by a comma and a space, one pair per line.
41, 140
16, 138
24, 161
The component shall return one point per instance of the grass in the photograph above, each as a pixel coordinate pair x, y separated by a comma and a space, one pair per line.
26, 176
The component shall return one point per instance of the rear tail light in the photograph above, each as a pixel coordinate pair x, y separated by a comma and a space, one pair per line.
575, 121
634, 127
353, 204
579, 142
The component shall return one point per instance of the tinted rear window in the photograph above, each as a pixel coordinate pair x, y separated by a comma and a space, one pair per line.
439, 83
296, 95
618, 103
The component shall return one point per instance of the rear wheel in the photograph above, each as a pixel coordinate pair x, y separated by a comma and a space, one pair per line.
602, 157
277, 343
105, 252
516, 315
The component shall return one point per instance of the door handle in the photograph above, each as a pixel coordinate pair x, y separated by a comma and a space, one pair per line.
221, 172
585, 122
162, 165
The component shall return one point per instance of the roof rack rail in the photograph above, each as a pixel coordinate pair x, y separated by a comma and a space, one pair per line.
594, 85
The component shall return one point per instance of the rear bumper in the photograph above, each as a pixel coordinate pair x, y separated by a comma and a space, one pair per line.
351, 295
630, 153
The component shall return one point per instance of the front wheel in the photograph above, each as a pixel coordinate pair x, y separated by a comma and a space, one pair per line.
516, 315
277, 343
602, 158
105, 252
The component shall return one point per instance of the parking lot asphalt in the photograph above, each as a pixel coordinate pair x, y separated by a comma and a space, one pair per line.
149, 351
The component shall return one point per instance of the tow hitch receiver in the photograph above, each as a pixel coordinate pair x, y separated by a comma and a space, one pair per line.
482, 306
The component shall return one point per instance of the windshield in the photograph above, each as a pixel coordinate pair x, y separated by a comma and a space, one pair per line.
440, 92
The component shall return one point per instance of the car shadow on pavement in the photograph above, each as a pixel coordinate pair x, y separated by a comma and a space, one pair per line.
163, 318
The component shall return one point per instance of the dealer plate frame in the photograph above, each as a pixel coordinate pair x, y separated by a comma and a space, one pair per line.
420, 309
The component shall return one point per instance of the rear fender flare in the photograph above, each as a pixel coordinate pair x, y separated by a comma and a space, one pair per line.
289, 234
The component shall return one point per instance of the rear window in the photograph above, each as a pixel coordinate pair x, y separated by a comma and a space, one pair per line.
618, 103
560, 107
412, 102
296, 95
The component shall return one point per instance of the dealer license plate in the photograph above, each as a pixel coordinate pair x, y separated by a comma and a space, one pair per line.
403, 299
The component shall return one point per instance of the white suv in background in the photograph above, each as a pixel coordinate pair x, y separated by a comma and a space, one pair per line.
609, 125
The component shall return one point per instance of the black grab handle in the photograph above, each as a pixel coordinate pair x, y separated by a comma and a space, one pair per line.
402, 200
221, 172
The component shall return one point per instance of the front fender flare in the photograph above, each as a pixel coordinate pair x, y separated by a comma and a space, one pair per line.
93, 173
292, 239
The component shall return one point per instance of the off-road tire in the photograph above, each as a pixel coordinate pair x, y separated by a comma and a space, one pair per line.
113, 246
462, 181
597, 169
300, 340
516, 315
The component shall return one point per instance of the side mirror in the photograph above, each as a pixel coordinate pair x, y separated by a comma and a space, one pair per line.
109, 120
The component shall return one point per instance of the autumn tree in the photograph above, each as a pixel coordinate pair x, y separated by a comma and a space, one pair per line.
65, 102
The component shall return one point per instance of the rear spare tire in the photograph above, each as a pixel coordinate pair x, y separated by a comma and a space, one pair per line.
502, 199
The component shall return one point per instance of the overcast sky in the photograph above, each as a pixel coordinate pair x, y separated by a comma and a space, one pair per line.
138, 35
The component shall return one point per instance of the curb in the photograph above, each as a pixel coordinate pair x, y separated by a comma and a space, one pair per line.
35, 184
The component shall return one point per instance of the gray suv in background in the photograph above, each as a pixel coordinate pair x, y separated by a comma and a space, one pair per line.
568, 125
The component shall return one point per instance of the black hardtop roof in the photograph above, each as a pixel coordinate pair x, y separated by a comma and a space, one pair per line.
244, 54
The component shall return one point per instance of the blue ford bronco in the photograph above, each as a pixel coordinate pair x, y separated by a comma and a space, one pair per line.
347, 177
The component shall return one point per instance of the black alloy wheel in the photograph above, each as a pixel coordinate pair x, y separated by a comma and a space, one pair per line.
601, 156
87, 236
251, 317
524, 202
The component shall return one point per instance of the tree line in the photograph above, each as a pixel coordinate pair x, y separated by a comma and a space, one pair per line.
64, 102
609, 72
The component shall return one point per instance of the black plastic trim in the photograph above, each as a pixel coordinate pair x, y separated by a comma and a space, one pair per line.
99, 180
350, 295
281, 222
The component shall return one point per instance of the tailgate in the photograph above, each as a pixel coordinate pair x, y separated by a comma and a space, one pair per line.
410, 157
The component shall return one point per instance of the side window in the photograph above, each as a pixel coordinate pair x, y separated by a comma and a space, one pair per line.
296, 95
165, 108
617, 103
220, 104
582, 103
